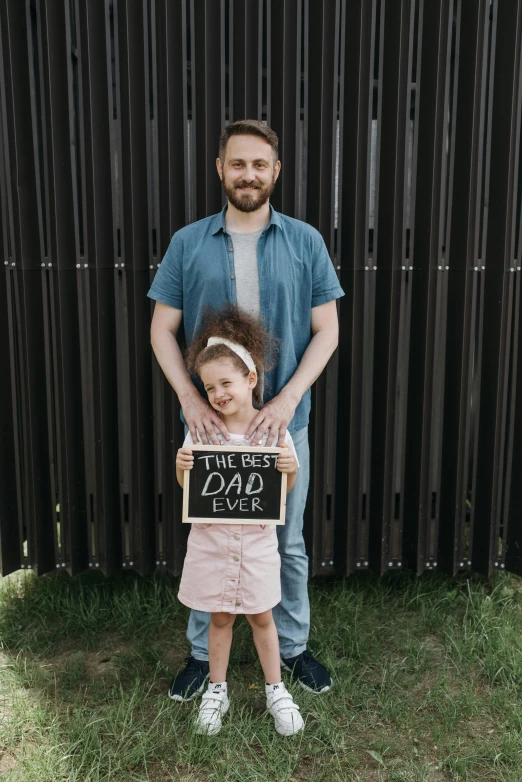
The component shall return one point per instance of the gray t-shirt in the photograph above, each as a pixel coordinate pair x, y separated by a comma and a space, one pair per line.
247, 276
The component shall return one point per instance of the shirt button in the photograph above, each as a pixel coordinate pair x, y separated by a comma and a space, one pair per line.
238, 602
234, 304
231, 249
236, 559
236, 537
232, 277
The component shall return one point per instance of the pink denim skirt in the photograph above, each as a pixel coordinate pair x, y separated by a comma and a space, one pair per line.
233, 568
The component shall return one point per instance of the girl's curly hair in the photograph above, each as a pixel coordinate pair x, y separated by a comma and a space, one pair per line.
236, 326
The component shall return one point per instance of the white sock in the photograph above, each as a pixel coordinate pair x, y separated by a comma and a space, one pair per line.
269, 688
221, 686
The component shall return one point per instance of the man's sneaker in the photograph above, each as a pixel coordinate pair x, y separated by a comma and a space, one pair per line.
190, 682
311, 675
285, 712
214, 704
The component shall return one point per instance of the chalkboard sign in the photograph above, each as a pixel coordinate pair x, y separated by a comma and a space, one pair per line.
230, 485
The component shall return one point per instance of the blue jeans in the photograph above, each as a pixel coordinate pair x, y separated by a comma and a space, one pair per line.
292, 614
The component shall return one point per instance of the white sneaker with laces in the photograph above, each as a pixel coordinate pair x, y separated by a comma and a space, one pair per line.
285, 712
214, 704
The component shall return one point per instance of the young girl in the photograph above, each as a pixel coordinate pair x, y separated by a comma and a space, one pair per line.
233, 569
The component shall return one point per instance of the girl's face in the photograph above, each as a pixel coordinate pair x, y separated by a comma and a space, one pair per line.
228, 390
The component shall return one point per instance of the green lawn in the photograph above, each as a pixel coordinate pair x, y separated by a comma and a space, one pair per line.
428, 675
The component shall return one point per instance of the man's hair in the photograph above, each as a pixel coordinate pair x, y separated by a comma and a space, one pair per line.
248, 127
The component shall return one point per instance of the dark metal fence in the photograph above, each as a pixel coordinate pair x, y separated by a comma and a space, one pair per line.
400, 128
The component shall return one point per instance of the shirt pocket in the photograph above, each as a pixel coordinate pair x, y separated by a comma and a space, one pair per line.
202, 526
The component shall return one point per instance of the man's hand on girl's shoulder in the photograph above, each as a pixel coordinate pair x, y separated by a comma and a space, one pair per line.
274, 417
202, 418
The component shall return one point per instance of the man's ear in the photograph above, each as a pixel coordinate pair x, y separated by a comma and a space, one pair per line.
219, 168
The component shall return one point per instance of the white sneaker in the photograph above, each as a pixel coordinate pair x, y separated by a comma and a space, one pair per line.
214, 704
285, 712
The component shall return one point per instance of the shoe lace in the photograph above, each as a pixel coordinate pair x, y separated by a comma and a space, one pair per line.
193, 665
308, 661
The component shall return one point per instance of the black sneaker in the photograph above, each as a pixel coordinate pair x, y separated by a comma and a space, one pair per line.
311, 675
190, 682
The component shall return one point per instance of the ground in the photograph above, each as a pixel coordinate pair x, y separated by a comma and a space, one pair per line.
427, 676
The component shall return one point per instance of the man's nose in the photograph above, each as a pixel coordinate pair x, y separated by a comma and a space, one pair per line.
249, 174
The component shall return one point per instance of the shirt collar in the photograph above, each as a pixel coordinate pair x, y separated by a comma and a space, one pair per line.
219, 220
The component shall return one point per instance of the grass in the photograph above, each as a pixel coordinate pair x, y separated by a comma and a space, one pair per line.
428, 674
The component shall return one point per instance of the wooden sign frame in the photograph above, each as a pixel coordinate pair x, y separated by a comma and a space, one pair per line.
186, 519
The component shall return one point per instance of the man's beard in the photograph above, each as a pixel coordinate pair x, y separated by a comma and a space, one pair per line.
248, 202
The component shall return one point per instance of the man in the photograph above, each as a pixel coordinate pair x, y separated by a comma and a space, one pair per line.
278, 268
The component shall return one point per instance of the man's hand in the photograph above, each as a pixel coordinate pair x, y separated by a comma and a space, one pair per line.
275, 416
286, 461
200, 416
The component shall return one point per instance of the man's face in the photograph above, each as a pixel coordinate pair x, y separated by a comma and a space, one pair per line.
248, 173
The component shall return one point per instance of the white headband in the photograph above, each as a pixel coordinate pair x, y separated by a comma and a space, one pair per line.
239, 350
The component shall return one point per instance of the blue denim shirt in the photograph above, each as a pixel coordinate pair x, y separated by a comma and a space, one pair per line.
295, 274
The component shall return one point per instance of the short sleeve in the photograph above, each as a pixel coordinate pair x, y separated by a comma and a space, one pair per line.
325, 285
167, 285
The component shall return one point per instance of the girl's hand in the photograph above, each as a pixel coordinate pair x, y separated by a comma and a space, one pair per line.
184, 459
286, 461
